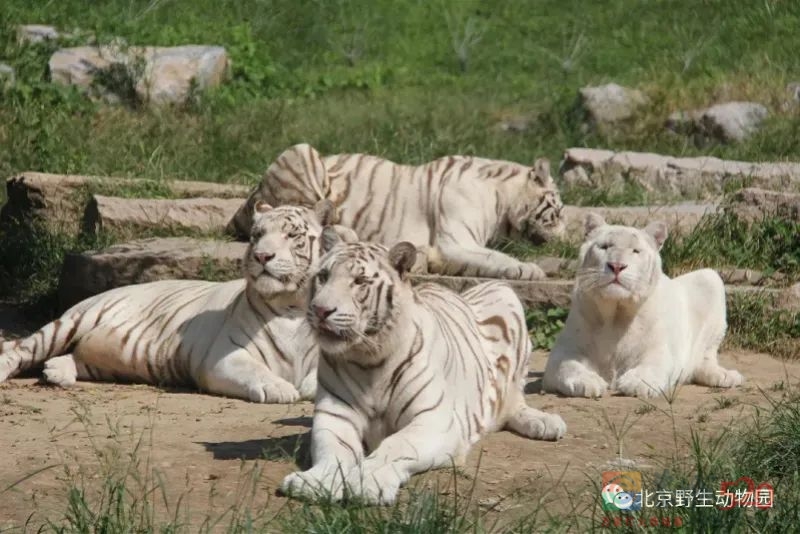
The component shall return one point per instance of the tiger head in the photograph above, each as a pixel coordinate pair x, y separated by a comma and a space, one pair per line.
285, 246
357, 295
536, 209
619, 263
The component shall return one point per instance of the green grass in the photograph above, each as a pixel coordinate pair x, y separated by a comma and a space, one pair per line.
410, 81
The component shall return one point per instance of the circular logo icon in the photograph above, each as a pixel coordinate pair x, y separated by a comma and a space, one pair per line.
614, 495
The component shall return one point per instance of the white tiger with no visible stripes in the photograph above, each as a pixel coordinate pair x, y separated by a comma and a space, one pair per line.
246, 338
418, 374
633, 329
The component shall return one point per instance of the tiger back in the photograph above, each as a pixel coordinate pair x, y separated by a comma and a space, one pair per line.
451, 208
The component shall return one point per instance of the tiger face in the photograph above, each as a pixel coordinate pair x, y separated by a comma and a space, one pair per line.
284, 246
538, 216
355, 294
619, 263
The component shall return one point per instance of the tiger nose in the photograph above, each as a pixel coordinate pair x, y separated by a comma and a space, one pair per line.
322, 312
263, 257
616, 267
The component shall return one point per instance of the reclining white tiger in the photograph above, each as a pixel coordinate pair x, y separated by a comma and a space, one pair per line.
450, 208
418, 374
246, 338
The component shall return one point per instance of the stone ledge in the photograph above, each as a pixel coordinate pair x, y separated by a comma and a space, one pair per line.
147, 260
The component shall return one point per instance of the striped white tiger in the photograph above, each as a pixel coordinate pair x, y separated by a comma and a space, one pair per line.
417, 374
451, 208
246, 338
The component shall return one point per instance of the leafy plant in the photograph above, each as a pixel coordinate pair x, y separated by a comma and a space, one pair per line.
544, 324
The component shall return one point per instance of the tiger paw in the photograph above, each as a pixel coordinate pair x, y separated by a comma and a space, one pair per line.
373, 488
313, 484
60, 371
635, 383
589, 385
540, 425
527, 271
273, 391
308, 387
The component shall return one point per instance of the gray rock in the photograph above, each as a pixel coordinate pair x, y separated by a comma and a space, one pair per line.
754, 204
126, 217
680, 218
158, 75
733, 122
60, 200
611, 103
147, 260
7, 76
36, 33
669, 177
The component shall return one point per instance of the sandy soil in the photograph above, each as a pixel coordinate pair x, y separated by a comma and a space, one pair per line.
206, 448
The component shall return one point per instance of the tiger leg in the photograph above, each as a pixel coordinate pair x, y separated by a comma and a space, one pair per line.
474, 260
413, 449
238, 374
336, 447
50, 340
64, 371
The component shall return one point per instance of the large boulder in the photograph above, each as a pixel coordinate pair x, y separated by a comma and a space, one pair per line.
671, 177
126, 217
60, 200
157, 75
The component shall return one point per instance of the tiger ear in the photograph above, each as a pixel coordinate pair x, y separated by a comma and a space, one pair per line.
592, 222
402, 257
329, 239
541, 172
261, 207
658, 231
325, 212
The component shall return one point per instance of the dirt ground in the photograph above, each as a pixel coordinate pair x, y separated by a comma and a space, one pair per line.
207, 448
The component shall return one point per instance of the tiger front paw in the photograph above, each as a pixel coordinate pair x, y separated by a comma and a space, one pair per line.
314, 485
273, 391
526, 271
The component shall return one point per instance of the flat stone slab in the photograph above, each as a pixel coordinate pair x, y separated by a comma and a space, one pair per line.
754, 204
147, 260
130, 216
60, 199
682, 217
701, 177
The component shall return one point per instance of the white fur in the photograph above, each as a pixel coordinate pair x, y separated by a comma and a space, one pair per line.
451, 208
418, 374
246, 338
643, 335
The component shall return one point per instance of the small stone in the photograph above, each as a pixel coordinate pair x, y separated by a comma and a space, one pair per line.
611, 103
519, 124
733, 122
36, 33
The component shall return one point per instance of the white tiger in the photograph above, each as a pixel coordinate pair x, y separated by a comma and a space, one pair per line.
632, 326
247, 338
418, 374
450, 208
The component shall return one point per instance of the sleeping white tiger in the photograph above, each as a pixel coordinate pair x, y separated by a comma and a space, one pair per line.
450, 208
247, 338
418, 374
